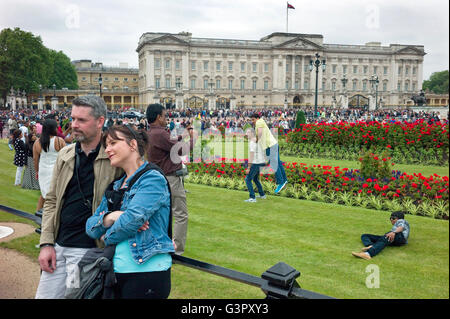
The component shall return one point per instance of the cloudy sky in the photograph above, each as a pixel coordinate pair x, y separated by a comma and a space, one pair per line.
108, 31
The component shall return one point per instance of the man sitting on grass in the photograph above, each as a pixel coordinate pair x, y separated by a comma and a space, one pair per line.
398, 236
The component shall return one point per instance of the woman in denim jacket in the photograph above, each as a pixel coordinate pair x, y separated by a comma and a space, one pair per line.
142, 258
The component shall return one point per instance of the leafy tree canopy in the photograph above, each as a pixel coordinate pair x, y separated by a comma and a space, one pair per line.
25, 63
438, 83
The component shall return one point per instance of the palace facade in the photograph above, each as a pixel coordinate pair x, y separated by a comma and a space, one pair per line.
274, 71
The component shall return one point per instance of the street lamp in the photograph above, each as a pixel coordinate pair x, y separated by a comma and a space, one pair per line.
316, 63
40, 90
100, 81
54, 89
374, 81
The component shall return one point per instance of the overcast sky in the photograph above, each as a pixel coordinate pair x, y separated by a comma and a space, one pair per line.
109, 31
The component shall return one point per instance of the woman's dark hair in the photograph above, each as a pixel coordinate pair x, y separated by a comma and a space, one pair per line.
16, 134
48, 130
129, 133
153, 110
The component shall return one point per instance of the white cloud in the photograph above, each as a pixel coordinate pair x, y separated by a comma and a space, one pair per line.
109, 31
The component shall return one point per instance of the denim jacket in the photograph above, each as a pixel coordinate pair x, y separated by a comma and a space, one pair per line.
148, 199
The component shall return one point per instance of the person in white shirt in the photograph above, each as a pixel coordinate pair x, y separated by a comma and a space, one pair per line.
256, 160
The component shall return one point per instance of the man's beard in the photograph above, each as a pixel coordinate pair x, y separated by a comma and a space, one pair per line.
81, 137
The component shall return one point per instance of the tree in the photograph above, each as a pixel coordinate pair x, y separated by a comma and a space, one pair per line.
300, 119
63, 71
438, 83
25, 63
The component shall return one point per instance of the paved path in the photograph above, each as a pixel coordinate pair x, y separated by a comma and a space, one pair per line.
19, 274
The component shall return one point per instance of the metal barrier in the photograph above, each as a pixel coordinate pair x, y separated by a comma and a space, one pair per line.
277, 282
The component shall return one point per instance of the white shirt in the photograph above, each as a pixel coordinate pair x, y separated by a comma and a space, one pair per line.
258, 153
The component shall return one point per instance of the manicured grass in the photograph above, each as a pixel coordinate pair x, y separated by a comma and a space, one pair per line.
315, 238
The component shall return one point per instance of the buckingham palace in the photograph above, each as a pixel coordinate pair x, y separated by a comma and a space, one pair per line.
279, 69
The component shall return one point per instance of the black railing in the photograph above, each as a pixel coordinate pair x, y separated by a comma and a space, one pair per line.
277, 282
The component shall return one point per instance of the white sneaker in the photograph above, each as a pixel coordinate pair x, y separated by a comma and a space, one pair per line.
250, 200
262, 197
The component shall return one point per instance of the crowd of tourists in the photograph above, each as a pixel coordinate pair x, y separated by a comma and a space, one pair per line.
233, 120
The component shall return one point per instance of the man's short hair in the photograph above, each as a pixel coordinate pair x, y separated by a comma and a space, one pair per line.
96, 103
153, 110
398, 215
255, 115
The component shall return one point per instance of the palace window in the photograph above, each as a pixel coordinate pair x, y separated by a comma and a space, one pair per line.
192, 65
177, 65
157, 83
157, 63
254, 84
192, 83
217, 84
254, 66
218, 66
266, 85
242, 66
355, 69
242, 84
230, 66
230, 84
385, 70
266, 67
205, 66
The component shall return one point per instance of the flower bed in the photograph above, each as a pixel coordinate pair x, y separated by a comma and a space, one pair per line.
407, 142
414, 193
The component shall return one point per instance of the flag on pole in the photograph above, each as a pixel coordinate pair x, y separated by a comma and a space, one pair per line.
290, 6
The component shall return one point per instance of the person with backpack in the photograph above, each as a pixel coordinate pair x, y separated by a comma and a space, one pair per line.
135, 215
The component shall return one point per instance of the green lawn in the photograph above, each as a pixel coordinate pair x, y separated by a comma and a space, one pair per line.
315, 238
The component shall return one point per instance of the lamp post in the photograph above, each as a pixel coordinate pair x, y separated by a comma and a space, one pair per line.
54, 90
316, 64
374, 81
40, 90
100, 81
211, 95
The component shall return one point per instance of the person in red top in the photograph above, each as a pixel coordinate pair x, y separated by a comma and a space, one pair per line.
165, 152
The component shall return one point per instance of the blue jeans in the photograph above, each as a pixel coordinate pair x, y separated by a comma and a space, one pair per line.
253, 176
273, 154
380, 242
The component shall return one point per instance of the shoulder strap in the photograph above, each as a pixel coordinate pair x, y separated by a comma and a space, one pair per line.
148, 167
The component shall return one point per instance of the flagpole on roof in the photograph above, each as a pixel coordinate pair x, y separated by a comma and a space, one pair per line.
287, 16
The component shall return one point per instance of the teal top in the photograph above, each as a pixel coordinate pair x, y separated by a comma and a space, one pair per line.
124, 263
